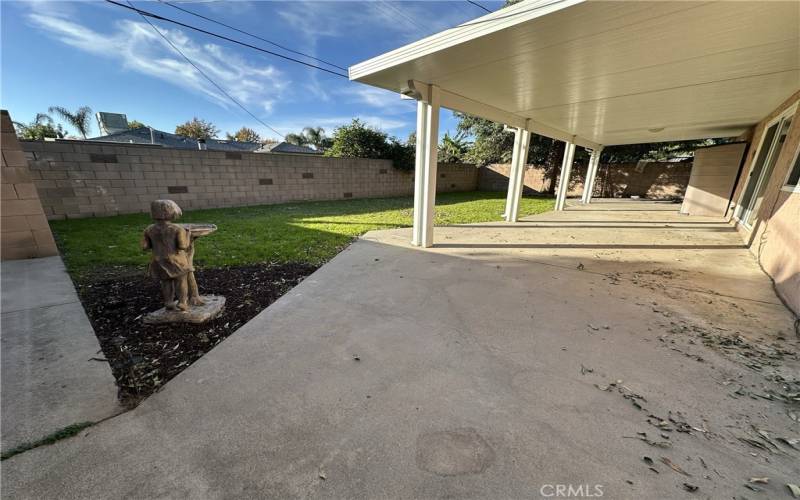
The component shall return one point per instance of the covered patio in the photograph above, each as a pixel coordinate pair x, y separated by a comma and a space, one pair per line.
593, 74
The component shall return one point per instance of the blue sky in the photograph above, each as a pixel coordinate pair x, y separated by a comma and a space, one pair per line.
97, 54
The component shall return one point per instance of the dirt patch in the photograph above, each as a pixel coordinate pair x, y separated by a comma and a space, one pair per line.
144, 357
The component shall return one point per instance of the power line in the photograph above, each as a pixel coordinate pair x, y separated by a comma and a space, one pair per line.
259, 120
476, 4
405, 16
251, 34
223, 37
512, 14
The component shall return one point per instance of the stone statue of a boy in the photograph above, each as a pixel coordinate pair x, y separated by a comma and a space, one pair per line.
170, 261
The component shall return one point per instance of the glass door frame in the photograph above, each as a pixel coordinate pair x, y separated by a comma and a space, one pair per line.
741, 214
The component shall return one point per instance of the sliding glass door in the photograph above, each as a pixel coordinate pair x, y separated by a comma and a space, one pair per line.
771, 147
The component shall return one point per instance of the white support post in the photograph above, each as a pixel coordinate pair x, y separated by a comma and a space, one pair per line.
512, 173
591, 175
426, 167
566, 169
521, 156
419, 172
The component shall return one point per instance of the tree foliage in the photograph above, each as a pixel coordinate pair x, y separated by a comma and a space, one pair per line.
197, 129
452, 149
134, 124
40, 128
244, 134
494, 144
310, 136
357, 140
80, 119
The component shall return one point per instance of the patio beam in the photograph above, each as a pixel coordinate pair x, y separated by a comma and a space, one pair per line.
516, 178
463, 104
566, 169
591, 175
426, 165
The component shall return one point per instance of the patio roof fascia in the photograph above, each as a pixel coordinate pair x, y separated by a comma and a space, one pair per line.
455, 102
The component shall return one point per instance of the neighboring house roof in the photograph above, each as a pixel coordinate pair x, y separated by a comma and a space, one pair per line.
285, 147
160, 138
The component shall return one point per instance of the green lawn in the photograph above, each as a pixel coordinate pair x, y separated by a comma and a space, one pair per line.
295, 232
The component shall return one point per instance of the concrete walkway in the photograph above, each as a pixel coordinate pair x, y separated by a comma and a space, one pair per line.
48, 381
474, 369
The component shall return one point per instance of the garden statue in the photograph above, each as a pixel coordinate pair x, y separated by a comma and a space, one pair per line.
172, 263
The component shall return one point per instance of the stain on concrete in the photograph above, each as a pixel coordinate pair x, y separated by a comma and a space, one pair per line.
454, 453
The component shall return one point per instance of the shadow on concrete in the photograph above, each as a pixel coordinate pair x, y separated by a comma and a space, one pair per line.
723, 228
588, 245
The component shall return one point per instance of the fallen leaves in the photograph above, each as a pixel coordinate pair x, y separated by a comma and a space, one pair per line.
672, 465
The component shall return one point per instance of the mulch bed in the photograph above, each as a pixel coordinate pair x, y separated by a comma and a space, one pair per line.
144, 357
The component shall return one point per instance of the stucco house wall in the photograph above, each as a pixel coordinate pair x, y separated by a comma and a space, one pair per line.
775, 238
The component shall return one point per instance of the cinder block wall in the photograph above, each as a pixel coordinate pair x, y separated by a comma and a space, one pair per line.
25, 233
657, 180
89, 179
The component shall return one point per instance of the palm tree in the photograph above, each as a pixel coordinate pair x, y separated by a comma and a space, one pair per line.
310, 136
80, 119
315, 136
296, 139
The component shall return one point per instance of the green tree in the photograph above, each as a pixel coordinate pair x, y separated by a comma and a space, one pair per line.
244, 134
310, 136
315, 136
81, 118
296, 139
357, 140
40, 128
197, 129
134, 124
657, 151
453, 148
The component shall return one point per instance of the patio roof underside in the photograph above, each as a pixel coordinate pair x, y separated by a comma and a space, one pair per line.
611, 72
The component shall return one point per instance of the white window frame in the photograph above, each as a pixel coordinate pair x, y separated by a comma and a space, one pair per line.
786, 186
791, 110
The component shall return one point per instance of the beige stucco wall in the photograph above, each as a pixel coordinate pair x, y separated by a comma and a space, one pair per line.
775, 238
25, 232
712, 180
90, 179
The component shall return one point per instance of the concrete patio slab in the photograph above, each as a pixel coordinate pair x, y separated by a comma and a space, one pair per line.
48, 378
472, 369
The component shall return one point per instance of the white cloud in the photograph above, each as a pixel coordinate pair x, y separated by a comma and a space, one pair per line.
138, 48
409, 20
387, 101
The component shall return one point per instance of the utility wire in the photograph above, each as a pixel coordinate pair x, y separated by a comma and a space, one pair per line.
512, 14
476, 4
259, 120
287, 49
223, 37
410, 20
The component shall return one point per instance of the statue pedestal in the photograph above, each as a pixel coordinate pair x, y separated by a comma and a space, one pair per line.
214, 304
